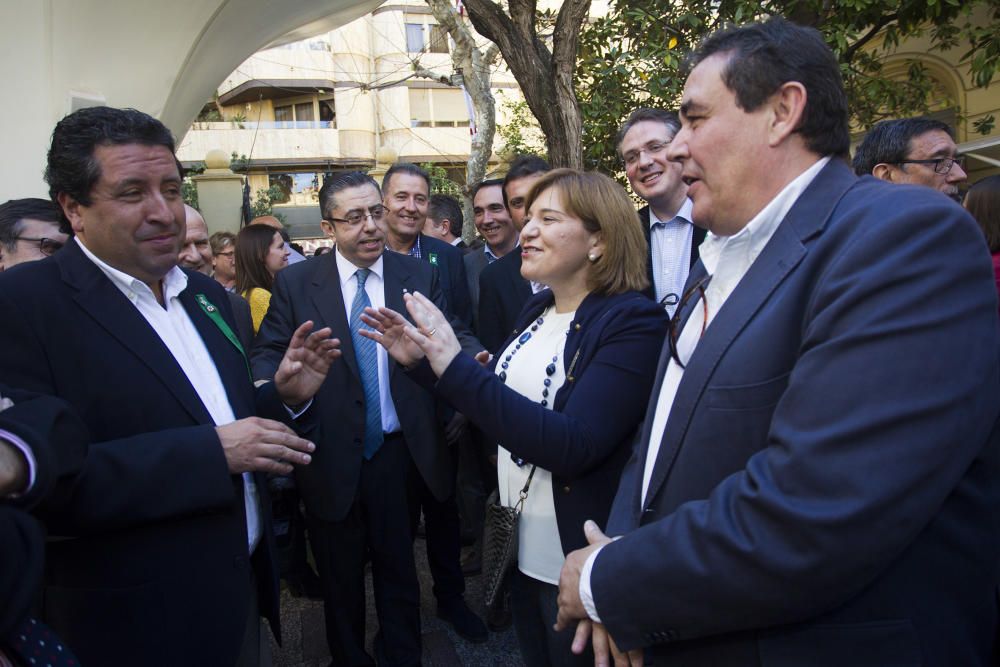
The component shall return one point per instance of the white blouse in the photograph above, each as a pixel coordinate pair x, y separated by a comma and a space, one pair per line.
540, 553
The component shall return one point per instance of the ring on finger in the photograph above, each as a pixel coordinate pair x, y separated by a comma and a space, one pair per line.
430, 334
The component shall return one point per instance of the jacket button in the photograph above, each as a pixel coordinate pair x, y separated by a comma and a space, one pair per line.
357, 441
240, 562
359, 403
577, 327
565, 489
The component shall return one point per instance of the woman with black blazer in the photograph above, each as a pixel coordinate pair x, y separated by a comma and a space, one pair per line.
568, 389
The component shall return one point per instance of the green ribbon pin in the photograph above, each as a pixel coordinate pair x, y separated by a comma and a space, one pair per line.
213, 313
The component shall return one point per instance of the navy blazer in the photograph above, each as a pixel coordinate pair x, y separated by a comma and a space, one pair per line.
451, 266
156, 568
585, 439
311, 291
827, 490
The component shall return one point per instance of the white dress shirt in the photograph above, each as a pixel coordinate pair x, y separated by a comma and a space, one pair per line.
375, 288
670, 249
171, 323
727, 259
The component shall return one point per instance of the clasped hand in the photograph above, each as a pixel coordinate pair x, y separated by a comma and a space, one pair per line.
432, 337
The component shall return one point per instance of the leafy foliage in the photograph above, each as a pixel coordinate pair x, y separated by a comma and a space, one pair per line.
441, 184
520, 134
634, 55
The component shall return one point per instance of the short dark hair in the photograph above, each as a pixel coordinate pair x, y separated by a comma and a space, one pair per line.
338, 182
643, 114
252, 245
983, 202
521, 166
446, 207
889, 141
406, 168
14, 212
72, 167
764, 56
488, 183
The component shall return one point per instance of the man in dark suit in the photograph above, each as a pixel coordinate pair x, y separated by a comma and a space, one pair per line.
502, 290
444, 221
673, 240
378, 427
495, 225
166, 545
915, 151
196, 255
406, 192
818, 478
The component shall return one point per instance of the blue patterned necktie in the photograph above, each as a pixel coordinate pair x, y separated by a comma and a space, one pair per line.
366, 352
35, 644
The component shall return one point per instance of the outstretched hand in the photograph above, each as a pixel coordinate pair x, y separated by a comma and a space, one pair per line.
432, 337
305, 364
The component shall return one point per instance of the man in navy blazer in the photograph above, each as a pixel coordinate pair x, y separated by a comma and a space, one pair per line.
818, 478
163, 540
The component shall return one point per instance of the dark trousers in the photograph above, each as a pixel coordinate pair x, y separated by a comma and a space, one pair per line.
534, 608
477, 477
444, 540
378, 524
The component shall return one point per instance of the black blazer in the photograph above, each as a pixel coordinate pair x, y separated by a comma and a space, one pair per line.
155, 570
502, 294
448, 259
697, 236
311, 291
57, 439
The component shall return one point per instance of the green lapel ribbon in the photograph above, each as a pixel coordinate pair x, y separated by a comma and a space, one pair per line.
213, 314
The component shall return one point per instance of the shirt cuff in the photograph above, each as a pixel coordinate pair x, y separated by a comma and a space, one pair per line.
586, 595
29, 456
296, 413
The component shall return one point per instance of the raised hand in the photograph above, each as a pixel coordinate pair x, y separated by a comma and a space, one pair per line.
305, 364
390, 332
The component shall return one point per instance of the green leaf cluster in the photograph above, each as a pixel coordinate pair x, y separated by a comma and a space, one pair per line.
634, 55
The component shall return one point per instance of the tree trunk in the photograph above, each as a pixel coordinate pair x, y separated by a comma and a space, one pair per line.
474, 65
546, 78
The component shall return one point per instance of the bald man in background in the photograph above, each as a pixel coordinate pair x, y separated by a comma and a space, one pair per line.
294, 256
196, 255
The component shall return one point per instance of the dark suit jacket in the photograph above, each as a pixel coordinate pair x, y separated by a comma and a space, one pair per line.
475, 262
243, 319
697, 236
827, 490
58, 440
156, 570
585, 439
502, 294
448, 259
311, 291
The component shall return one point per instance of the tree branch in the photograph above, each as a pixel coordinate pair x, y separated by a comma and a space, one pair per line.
869, 36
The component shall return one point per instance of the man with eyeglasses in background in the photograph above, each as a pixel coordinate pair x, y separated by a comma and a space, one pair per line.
224, 259
29, 231
918, 151
673, 240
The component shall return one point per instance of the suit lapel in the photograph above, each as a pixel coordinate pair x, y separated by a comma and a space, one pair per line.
776, 262
328, 297
229, 362
105, 303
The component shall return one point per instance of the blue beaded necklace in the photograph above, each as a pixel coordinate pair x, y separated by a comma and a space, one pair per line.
550, 370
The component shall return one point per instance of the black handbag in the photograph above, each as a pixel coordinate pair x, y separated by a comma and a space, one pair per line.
500, 540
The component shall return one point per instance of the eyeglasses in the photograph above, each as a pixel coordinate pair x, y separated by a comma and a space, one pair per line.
229, 253
674, 331
47, 246
652, 148
942, 165
354, 218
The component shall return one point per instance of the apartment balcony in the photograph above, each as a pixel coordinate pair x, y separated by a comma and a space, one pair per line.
276, 142
279, 73
430, 143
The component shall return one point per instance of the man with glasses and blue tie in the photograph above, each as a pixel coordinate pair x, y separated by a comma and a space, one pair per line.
378, 428
29, 231
918, 151
666, 219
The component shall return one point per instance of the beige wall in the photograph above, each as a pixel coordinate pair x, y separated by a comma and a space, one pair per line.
163, 58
